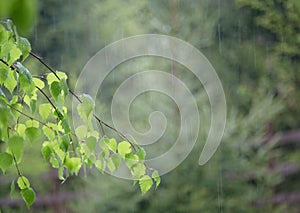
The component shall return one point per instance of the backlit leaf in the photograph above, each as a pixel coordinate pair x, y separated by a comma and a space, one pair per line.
73, 164
23, 182
112, 144
32, 133
55, 89
6, 160
15, 144
91, 143
85, 109
124, 148
39, 83
45, 110
24, 46
28, 196
156, 177
81, 132
11, 81
145, 183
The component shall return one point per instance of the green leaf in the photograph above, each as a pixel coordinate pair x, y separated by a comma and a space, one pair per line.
85, 109
28, 196
25, 76
10, 83
15, 113
65, 125
54, 162
33, 105
12, 188
15, 144
64, 86
32, 133
141, 153
4, 69
103, 146
145, 183
100, 165
112, 144
156, 177
24, 46
23, 182
51, 77
81, 132
6, 160
32, 123
138, 171
110, 164
131, 160
124, 148
116, 160
46, 151
20, 129
73, 164
45, 110
91, 143
61, 75
49, 133
65, 141
39, 83
14, 54
55, 90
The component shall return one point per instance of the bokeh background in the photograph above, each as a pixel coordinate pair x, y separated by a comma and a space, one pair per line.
255, 48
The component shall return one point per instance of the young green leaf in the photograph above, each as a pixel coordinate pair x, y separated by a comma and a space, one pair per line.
32, 133
23, 182
91, 143
64, 86
46, 151
131, 160
156, 177
11, 81
73, 164
25, 76
100, 164
24, 46
110, 164
51, 77
55, 90
39, 83
81, 132
14, 54
141, 153
103, 146
45, 110
124, 148
15, 144
49, 133
28, 196
85, 109
54, 162
116, 160
12, 188
6, 160
112, 144
145, 183
65, 125
138, 171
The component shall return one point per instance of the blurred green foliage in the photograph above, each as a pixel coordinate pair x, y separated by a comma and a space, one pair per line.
22, 12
